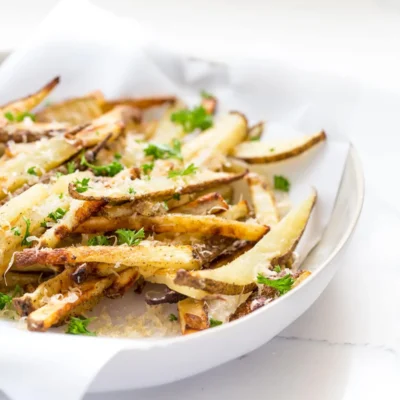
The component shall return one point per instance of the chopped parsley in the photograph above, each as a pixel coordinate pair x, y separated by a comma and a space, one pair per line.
165, 204
56, 215
176, 196
281, 183
163, 151
58, 174
272, 149
61, 195
206, 95
117, 156
130, 237
5, 300
99, 240
9, 115
16, 231
82, 186
277, 268
255, 139
19, 117
193, 119
31, 171
172, 317
214, 322
24, 241
78, 326
282, 285
147, 168
189, 170
71, 167
111, 169
131, 190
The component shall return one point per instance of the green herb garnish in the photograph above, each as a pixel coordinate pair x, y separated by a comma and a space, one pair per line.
82, 186
131, 190
99, 240
214, 323
277, 268
163, 151
272, 149
172, 317
206, 95
117, 156
16, 231
71, 167
282, 285
56, 215
19, 117
9, 115
5, 300
130, 237
176, 196
255, 139
78, 326
31, 171
193, 119
24, 241
189, 170
147, 168
281, 183
111, 169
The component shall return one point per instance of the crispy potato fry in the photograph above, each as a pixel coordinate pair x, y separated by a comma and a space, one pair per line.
240, 275
74, 111
53, 313
122, 283
167, 130
15, 279
25, 133
204, 224
276, 150
193, 316
237, 211
29, 102
227, 132
255, 132
122, 190
30, 302
140, 102
145, 255
211, 203
263, 200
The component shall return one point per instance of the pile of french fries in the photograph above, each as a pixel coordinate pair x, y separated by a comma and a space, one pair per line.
97, 199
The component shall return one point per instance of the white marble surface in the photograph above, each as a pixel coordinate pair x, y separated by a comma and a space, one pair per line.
347, 345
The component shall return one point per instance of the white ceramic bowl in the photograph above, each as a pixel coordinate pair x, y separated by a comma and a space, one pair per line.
151, 362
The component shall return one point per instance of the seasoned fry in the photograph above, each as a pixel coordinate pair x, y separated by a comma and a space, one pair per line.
122, 283
204, 224
193, 316
29, 102
26, 133
15, 279
276, 150
74, 111
263, 200
119, 190
140, 102
240, 275
211, 203
145, 255
237, 211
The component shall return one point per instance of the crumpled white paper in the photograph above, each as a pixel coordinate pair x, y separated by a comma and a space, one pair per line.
92, 49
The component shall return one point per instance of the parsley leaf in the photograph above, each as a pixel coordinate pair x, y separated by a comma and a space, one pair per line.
147, 168
206, 95
130, 237
193, 119
117, 156
189, 170
16, 230
272, 149
163, 151
281, 183
111, 169
176, 196
172, 317
282, 285
56, 215
214, 323
131, 190
21, 116
27, 233
31, 171
255, 139
78, 326
71, 167
9, 115
82, 186
99, 240
277, 268
5, 300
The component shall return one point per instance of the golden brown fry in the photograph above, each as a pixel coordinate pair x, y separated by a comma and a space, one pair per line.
140, 102
193, 316
211, 203
120, 191
23, 133
14, 279
148, 254
276, 150
203, 224
29, 102
54, 312
74, 111
237, 211
122, 283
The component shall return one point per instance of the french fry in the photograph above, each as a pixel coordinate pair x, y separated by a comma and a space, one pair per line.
227, 132
140, 102
26, 133
120, 191
240, 275
122, 283
52, 314
29, 102
193, 316
203, 224
276, 150
145, 255
15, 279
237, 211
211, 203
74, 111
263, 200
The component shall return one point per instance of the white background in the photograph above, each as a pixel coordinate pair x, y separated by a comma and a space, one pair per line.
344, 347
